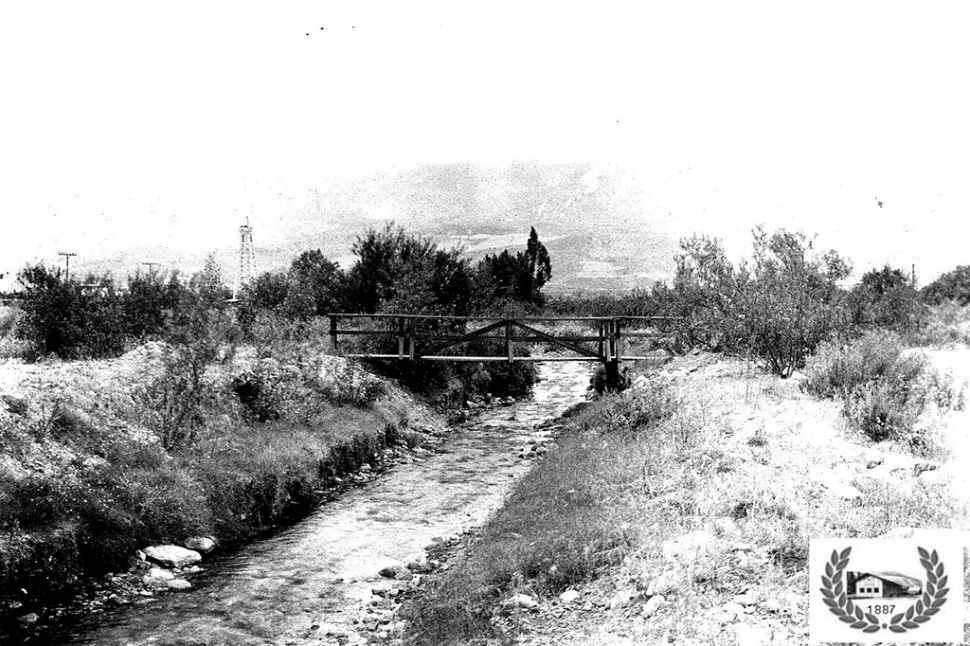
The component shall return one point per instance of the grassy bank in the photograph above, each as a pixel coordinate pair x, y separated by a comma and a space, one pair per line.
101, 458
683, 511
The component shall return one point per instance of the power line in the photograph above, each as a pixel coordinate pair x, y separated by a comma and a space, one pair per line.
67, 261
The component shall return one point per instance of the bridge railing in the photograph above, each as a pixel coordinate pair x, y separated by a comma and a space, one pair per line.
420, 336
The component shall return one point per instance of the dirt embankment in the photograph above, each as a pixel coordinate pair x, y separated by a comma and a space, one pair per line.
711, 512
85, 481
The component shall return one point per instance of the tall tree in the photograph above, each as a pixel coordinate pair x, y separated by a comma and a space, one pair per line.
208, 284
519, 276
401, 272
540, 267
314, 285
951, 286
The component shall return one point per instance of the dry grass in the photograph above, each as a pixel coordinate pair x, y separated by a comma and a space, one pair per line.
10, 346
744, 457
947, 324
884, 388
84, 474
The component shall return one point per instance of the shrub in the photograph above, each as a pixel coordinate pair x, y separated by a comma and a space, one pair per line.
777, 308
884, 390
63, 318
706, 287
886, 298
516, 278
637, 302
839, 366
638, 411
953, 286
258, 389
172, 403
8, 320
345, 384
508, 379
877, 410
314, 286
944, 324
404, 273
150, 302
790, 301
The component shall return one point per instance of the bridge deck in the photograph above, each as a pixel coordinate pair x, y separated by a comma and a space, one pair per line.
421, 337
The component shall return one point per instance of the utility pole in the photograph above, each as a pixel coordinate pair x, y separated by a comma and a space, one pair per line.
67, 263
246, 272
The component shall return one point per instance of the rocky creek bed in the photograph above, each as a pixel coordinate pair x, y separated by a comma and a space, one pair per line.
336, 577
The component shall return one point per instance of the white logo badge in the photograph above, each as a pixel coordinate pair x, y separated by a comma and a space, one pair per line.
886, 590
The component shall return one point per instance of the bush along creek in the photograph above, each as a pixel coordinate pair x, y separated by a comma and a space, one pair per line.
259, 473
111, 470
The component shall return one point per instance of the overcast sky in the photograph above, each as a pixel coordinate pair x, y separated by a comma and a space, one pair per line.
167, 123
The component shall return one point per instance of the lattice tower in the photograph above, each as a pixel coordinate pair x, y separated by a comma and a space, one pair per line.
246, 272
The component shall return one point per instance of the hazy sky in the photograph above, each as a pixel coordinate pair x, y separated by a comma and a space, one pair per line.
167, 123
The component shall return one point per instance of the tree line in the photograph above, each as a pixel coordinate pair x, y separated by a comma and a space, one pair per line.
777, 305
395, 271
399, 272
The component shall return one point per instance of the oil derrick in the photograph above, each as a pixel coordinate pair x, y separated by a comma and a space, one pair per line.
246, 271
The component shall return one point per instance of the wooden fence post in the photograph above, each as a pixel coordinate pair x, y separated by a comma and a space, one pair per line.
600, 345
612, 356
410, 340
333, 332
508, 339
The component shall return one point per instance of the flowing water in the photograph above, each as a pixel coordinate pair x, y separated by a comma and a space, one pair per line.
306, 584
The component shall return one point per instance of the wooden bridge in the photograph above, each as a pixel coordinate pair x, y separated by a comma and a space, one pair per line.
418, 337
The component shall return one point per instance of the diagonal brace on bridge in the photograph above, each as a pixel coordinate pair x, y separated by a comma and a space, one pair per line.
418, 336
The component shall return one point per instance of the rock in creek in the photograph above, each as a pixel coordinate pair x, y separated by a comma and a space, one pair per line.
397, 572
200, 544
172, 555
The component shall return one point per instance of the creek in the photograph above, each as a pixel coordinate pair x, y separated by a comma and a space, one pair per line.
308, 583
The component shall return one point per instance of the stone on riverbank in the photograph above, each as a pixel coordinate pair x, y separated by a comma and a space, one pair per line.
396, 571
200, 544
172, 555
569, 596
522, 601
158, 578
419, 565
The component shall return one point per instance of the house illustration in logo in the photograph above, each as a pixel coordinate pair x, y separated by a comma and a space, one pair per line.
881, 585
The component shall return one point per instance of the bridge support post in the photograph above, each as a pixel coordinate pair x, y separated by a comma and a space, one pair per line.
508, 340
612, 357
613, 375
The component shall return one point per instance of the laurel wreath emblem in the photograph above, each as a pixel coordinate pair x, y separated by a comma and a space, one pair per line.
934, 596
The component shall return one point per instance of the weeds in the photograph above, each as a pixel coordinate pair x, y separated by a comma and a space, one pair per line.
840, 367
346, 384
568, 520
558, 528
173, 402
883, 389
638, 412
9, 317
947, 323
